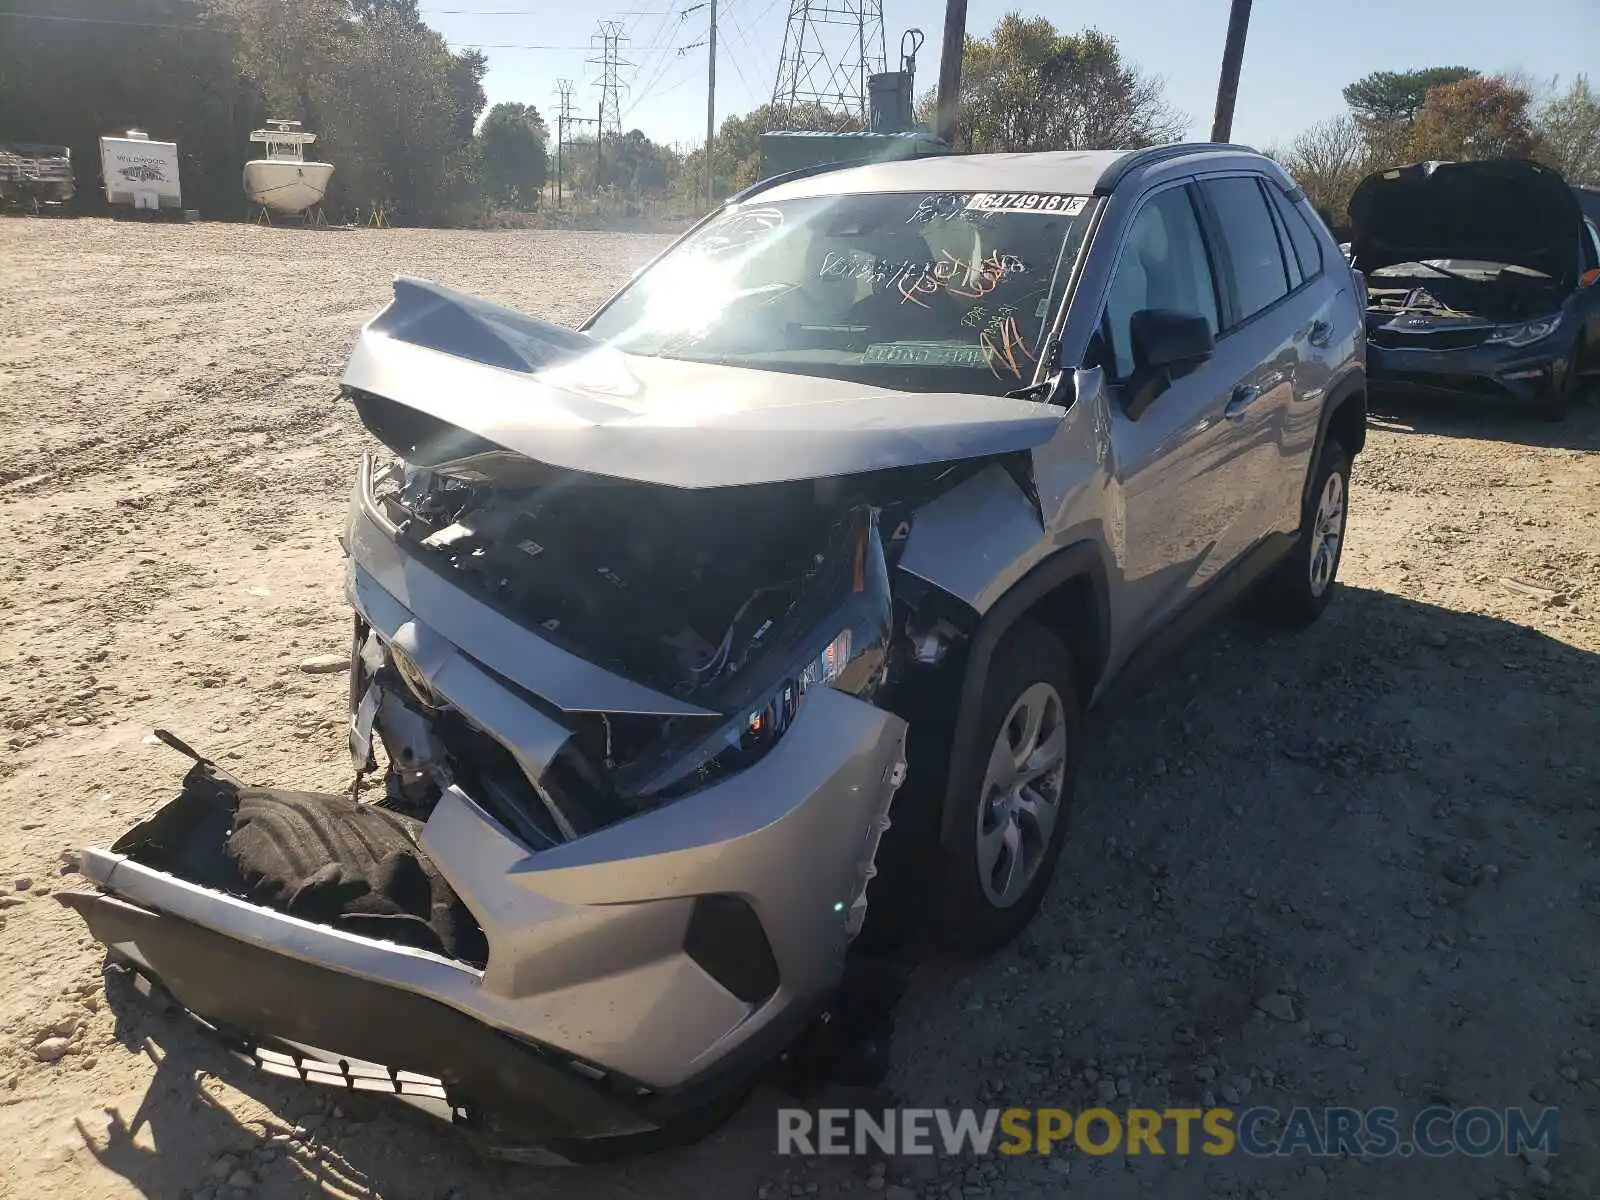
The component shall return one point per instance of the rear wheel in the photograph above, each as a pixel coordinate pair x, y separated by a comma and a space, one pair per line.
1013, 790
1300, 586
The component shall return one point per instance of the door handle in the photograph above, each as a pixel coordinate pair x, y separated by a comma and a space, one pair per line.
1243, 398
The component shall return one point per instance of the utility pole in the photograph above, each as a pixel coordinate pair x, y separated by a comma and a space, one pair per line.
955, 45
1232, 60
711, 111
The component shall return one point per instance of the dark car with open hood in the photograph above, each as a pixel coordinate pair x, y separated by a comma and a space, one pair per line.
1483, 278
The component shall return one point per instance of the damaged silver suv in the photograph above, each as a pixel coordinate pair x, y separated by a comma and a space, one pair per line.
754, 622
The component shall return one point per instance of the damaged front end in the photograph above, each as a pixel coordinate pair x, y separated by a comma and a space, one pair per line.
627, 643
643, 883
627, 718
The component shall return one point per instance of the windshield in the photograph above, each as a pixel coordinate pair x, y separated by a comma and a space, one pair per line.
916, 291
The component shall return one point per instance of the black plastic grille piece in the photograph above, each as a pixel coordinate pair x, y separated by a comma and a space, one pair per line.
726, 939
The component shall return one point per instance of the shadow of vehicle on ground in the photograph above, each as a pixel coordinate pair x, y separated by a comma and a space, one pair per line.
1387, 822
1491, 420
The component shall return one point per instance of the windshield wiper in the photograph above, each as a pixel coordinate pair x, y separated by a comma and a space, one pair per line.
1034, 391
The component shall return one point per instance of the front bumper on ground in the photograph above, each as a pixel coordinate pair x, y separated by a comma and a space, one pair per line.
1491, 371
593, 1013
281, 1014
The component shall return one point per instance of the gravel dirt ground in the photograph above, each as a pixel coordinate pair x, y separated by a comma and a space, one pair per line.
1355, 866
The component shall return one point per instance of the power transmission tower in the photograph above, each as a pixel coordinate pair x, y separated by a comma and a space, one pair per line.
564, 118
830, 47
607, 40
563, 111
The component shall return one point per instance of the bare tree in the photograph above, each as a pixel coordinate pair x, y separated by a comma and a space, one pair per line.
1328, 159
1568, 126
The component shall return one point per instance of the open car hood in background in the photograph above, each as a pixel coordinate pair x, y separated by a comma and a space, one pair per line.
1500, 210
563, 399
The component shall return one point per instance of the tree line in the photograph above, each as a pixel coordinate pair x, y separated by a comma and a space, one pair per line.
397, 110
1444, 113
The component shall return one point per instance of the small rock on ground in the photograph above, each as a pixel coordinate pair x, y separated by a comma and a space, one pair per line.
324, 664
1277, 1006
51, 1049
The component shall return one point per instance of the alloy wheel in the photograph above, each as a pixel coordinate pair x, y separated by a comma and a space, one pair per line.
1021, 799
1327, 532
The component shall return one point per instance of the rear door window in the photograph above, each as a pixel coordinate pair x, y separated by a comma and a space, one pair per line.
1250, 253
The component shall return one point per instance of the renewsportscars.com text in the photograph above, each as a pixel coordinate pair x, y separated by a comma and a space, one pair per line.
1258, 1131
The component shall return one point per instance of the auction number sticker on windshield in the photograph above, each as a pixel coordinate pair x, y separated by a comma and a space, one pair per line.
1047, 203
925, 354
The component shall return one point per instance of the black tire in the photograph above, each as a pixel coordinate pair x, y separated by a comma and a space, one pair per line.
1289, 596
1558, 401
970, 922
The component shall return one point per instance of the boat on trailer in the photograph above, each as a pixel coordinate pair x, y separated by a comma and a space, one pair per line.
284, 181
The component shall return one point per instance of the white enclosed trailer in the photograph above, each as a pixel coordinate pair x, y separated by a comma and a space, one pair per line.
140, 172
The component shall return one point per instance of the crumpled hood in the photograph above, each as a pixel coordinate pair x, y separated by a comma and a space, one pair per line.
564, 399
1500, 210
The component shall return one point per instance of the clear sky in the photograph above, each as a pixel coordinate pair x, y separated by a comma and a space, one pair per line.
1298, 57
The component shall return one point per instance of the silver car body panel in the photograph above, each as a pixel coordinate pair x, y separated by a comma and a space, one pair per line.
665, 421
586, 941
1173, 499
975, 540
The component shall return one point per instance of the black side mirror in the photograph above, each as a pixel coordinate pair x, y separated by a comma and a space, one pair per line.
1165, 344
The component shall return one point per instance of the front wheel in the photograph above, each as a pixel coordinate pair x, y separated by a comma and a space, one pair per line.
1559, 399
1300, 586
1014, 788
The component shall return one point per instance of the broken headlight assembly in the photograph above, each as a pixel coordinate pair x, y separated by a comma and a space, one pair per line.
1524, 333
847, 650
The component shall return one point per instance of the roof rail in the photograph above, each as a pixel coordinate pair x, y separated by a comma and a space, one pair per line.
1128, 163
773, 181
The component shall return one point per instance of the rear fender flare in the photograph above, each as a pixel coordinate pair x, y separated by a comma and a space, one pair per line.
1351, 389
1077, 561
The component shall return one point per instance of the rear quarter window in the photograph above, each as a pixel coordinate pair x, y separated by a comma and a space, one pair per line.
1307, 245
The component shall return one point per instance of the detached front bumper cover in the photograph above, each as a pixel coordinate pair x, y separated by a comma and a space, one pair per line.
603, 1010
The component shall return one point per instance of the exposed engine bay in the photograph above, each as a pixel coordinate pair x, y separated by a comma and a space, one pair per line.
737, 599
662, 585
1488, 291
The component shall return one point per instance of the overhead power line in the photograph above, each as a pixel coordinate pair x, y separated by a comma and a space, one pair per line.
61, 18
111, 21
527, 12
